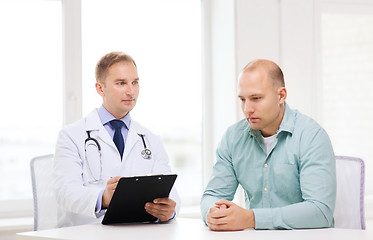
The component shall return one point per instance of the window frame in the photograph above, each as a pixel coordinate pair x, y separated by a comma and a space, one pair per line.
72, 88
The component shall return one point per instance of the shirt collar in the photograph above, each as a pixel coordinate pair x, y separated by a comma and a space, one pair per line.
287, 123
106, 116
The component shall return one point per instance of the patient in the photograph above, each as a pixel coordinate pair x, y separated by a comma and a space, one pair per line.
283, 159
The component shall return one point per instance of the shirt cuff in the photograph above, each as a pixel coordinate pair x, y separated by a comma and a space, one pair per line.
263, 218
269, 218
173, 216
98, 211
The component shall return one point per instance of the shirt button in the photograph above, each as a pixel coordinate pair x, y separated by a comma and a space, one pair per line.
265, 189
265, 165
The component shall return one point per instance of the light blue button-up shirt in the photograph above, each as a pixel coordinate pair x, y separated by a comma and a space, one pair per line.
291, 186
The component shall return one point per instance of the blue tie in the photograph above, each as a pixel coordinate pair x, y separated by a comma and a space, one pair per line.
118, 137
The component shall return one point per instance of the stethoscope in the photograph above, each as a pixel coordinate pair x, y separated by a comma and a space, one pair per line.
146, 153
91, 141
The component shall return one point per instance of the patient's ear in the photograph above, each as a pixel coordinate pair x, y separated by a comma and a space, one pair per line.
282, 94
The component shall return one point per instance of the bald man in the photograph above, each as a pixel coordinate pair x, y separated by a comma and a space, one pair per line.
283, 160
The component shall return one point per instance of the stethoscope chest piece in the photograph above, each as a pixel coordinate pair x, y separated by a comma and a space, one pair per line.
146, 153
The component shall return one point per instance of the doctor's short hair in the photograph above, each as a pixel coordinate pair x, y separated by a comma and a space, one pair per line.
107, 61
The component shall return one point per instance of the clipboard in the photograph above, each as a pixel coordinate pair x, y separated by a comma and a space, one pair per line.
128, 202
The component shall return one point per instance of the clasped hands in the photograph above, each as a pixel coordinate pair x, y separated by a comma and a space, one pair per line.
161, 208
227, 216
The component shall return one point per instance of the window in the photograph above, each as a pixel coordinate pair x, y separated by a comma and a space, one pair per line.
347, 73
164, 39
31, 98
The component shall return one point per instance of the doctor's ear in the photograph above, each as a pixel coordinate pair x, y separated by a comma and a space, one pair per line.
99, 88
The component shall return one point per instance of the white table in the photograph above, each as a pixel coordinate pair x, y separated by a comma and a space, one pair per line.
191, 229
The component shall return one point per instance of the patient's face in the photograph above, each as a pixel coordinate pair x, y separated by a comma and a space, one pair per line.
260, 101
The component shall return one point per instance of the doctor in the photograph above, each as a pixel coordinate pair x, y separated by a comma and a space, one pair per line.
93, 153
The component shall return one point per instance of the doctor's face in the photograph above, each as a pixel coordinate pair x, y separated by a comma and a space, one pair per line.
120, 88
261, 101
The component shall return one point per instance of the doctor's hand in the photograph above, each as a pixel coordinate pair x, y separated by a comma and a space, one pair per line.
227, 216
161, 208
109, 191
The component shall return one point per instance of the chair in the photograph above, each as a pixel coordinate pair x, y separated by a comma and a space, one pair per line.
349, 207
45, 204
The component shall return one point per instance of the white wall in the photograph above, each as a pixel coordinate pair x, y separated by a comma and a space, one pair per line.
237, 32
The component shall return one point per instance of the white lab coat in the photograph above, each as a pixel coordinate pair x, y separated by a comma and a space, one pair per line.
76, 194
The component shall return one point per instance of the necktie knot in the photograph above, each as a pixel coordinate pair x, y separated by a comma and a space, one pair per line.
116, 124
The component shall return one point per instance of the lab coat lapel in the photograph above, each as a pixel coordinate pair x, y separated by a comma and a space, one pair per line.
93, 123
132, 139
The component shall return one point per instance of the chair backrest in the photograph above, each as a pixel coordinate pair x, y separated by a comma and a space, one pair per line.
349, 207
45, 204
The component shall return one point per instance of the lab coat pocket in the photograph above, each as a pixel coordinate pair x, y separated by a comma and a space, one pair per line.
147, 165
138, 163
